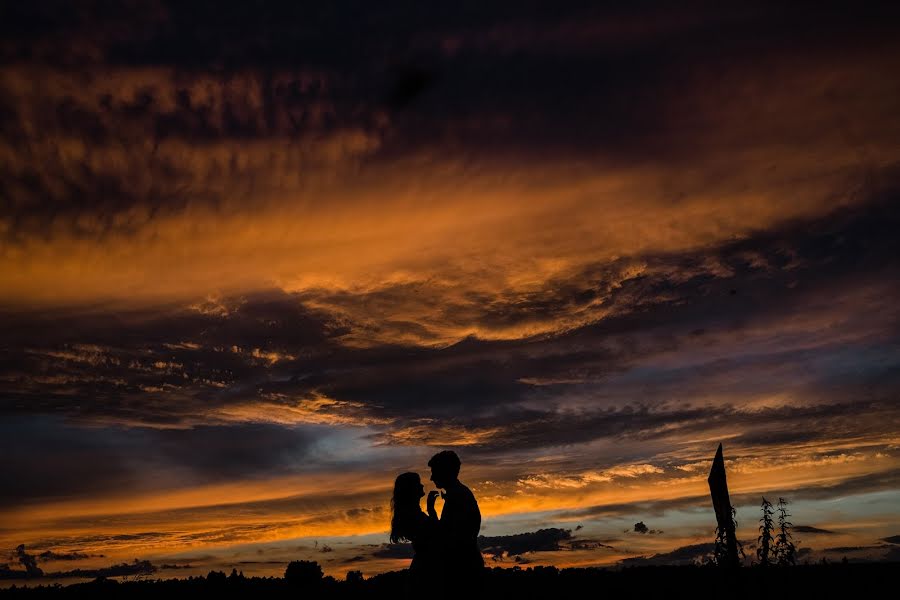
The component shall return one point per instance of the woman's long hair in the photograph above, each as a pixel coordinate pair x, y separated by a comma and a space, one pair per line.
404, 506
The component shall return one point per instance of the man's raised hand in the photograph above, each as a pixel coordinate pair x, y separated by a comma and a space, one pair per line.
432, 497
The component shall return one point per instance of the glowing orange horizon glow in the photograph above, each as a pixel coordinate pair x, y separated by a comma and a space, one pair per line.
175, 515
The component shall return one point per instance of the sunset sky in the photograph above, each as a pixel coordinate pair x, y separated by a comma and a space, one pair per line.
259, 258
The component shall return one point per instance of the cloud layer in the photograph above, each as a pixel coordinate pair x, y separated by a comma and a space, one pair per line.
257, 261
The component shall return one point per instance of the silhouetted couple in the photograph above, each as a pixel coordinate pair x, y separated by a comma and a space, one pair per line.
445, 547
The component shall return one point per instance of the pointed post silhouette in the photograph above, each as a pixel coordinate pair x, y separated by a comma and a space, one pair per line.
718, 489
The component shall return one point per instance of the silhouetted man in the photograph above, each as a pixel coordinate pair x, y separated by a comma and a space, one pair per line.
459, 524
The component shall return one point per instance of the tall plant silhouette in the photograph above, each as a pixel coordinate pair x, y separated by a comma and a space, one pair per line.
765, 550
720, 551
785, 552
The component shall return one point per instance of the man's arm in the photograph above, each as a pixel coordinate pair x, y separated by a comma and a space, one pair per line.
473, 516
462, 517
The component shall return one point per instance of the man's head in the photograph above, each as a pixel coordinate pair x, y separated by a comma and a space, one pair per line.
444, 468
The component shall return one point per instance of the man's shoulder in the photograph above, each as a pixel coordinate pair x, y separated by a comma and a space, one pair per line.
465, 493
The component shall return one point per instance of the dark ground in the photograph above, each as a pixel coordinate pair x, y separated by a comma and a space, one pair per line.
845, 581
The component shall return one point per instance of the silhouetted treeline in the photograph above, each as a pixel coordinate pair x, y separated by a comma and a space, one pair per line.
806, 581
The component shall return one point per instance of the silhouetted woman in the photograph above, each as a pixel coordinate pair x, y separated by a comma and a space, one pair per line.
409, 523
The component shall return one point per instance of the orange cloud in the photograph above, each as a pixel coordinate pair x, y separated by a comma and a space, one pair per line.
282, 410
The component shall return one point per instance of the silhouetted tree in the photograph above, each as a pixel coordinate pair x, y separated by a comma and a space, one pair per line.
355, 577
216, 577
765, 551
303, 573
785, 552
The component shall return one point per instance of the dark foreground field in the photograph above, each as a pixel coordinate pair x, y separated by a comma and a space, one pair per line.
846, 581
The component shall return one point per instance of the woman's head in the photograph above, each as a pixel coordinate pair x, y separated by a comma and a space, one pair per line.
408, 490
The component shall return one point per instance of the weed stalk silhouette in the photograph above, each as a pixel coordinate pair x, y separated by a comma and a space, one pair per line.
721, 556
765, 549
785, 552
